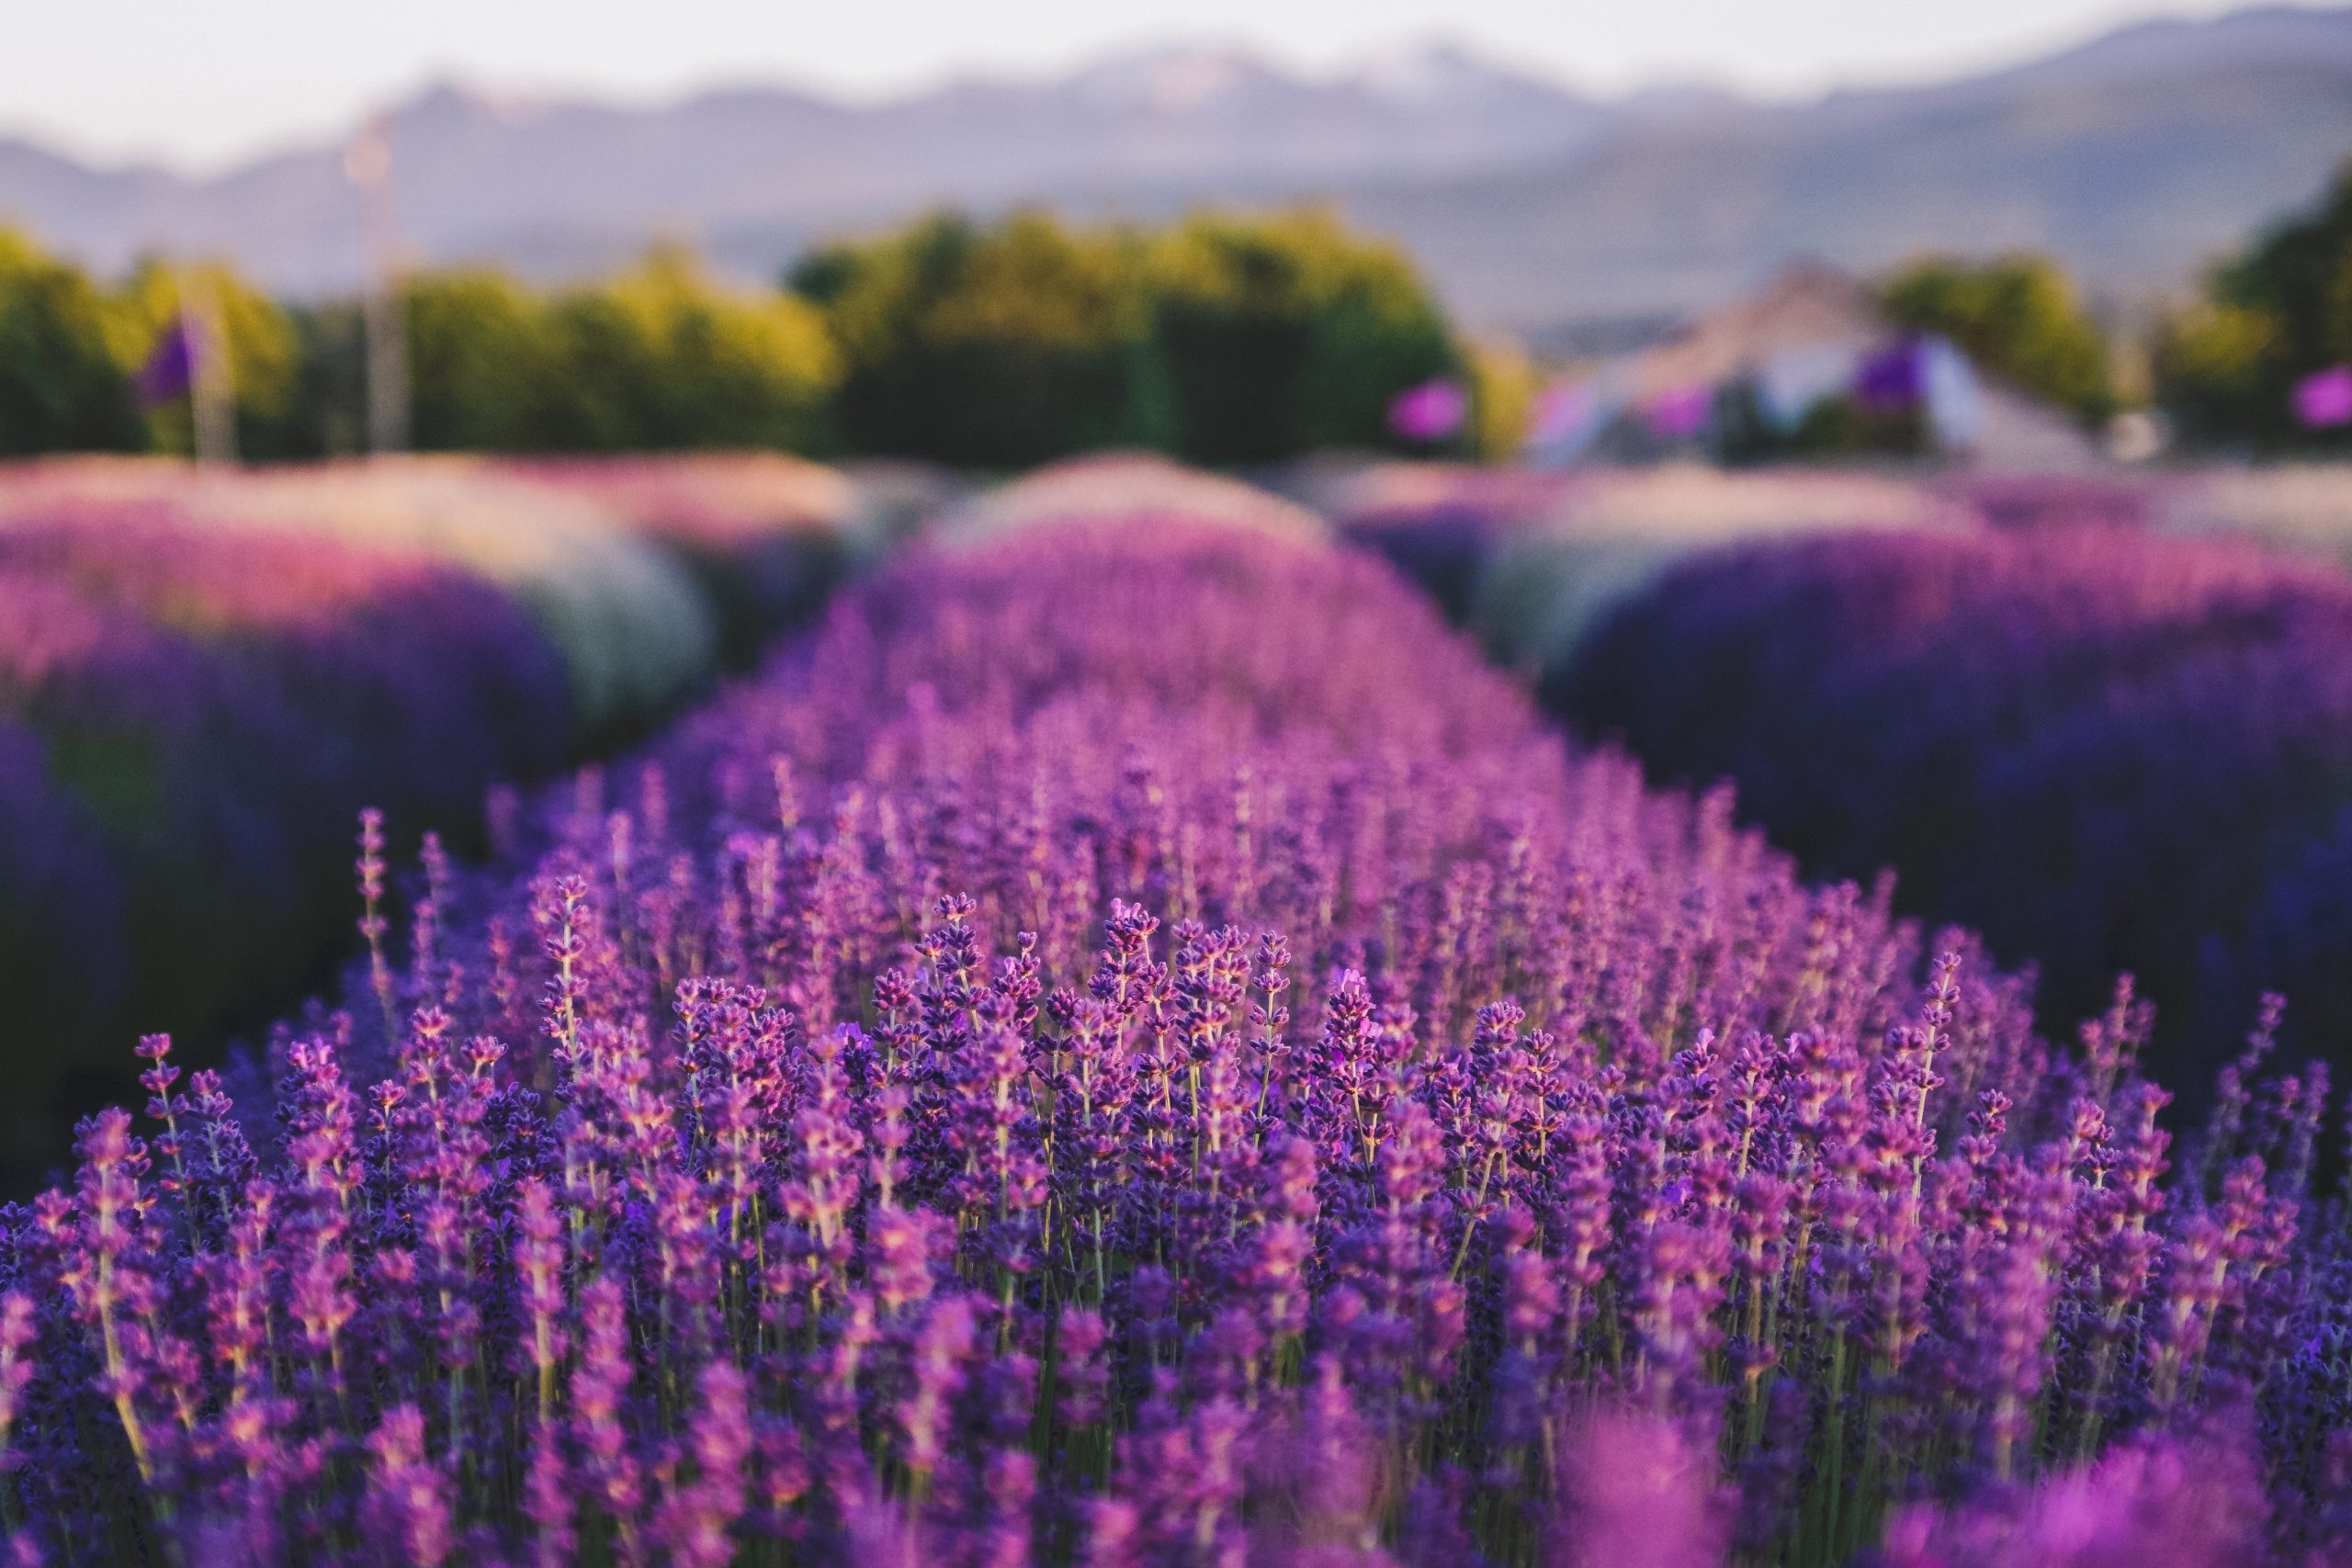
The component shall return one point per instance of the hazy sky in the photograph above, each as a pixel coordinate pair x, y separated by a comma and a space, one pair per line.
199, 82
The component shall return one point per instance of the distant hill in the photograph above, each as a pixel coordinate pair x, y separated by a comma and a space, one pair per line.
754, 173
2133, 158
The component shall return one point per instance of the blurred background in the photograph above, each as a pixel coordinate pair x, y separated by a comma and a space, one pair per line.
1925, 417
857, 215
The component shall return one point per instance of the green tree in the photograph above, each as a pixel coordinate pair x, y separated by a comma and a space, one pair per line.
329, 413
996, 346
1278, 335
61, 386
661, 356
1226, 339
2219, 371
664, 357
478, 360
2018, 317
2281, 308
264, 355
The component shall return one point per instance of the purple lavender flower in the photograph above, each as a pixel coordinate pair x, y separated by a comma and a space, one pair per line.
1638, 1492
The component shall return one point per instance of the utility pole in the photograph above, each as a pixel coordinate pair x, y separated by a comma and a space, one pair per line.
367, 165
211, 382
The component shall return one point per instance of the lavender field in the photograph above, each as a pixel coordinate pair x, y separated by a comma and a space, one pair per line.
1132, 1042
1433, 784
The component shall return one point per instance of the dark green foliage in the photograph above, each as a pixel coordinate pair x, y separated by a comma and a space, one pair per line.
997, 347
1284, 333
2219, 373
1224, 339
327, 416
61, 388
2018, 318
1831, 428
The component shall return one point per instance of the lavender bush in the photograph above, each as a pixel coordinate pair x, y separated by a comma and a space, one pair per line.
1614, 534
2294, 938
2039, 500
2092, 745
766, 537
195, 720
206, 672
636, 636
1534, 560
1130, 1047
1440, 523
1129, 487
61, 918
1522, 548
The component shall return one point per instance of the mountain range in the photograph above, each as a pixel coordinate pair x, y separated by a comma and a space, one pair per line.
2134, 158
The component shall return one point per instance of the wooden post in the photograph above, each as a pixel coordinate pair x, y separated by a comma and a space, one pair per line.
212, 378
367, 163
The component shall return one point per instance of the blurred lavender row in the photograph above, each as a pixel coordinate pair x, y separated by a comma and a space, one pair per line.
2105, 750
1131, 1045
2104, 721
203, 676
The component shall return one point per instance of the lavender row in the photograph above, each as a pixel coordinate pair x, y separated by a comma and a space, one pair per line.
1134, 1047
2022, 798
203, 676
640, 571
2106, 751
1500, 547
196, 720
1534, 561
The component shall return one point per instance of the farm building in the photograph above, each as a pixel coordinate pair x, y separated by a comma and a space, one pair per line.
1807, 362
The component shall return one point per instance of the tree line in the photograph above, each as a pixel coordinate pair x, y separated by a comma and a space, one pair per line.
1221, 338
